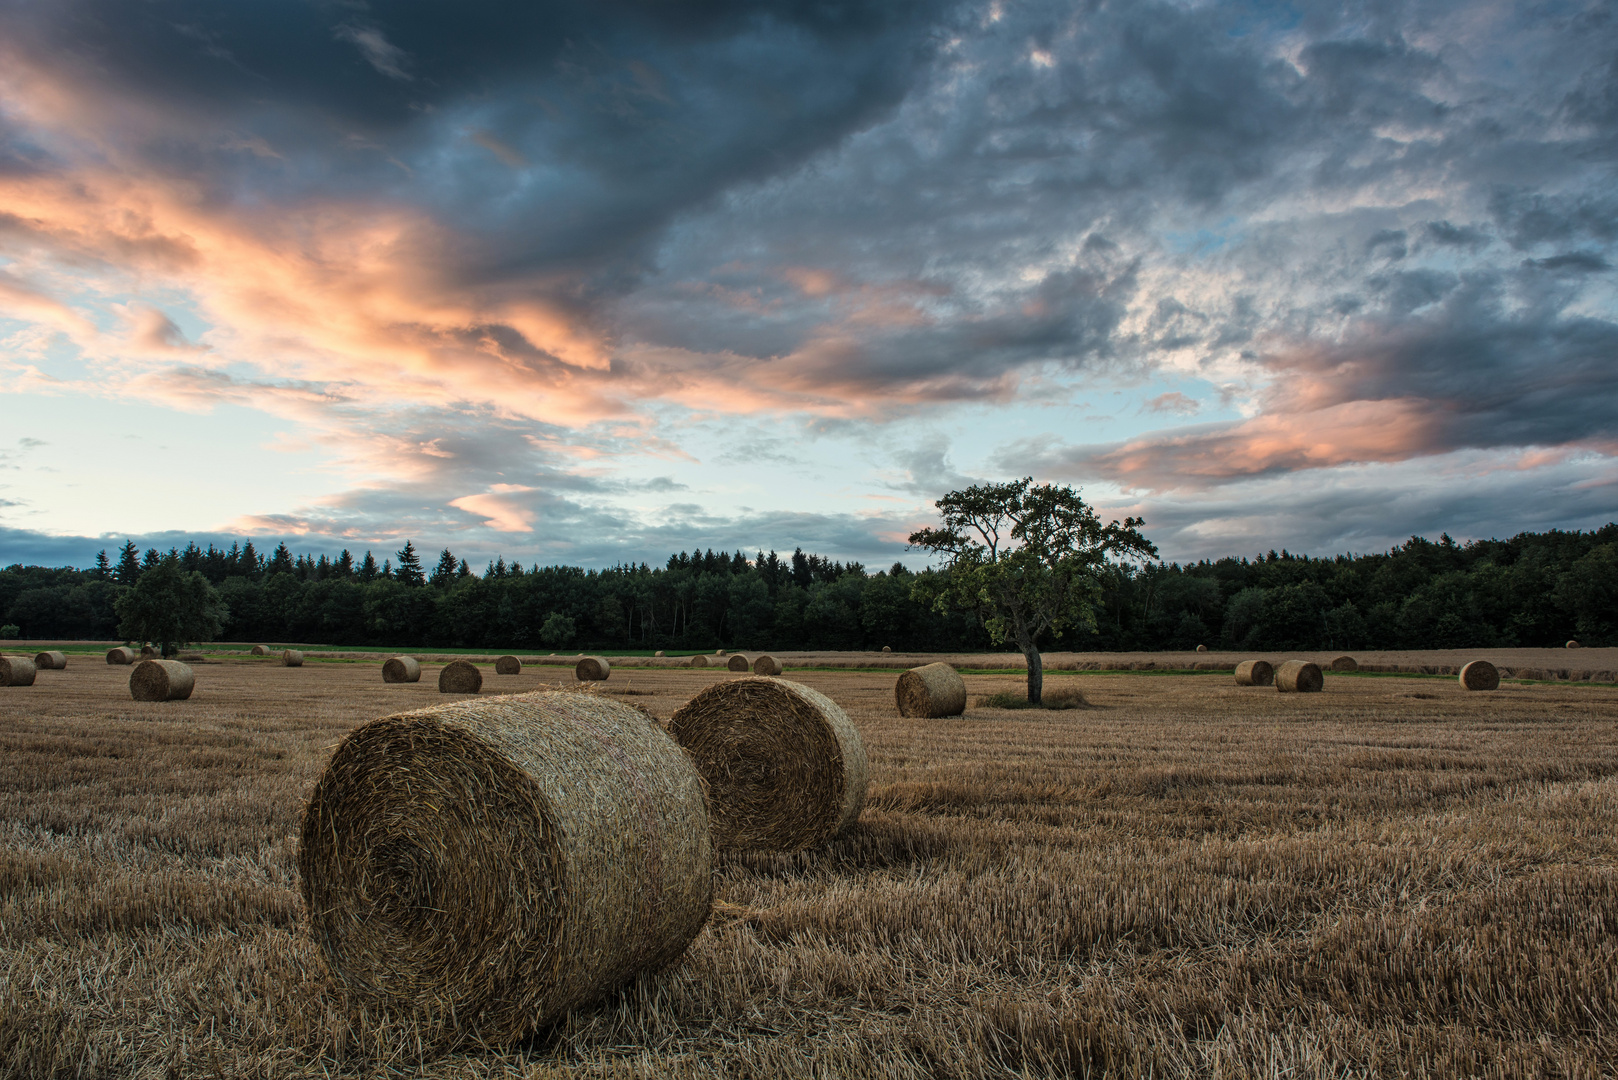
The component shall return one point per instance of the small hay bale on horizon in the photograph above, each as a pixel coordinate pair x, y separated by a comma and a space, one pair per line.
1343, 663
508, 665
659, 652
738, 662
766, 665
262, 650
401, 669
17, 671
785, 767
1202, 648
123, 654
460, 677
592, 669
931, 691
886, 649
489, 865
1255, 673
291, 658
1299, 677
52, 660
1479, 675
161, 680
1574, 645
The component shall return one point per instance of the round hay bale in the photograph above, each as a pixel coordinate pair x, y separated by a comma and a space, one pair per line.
1202, 648
932, 690
886, 650
659, 653
1573, 645
291, 658
1480, 675
1344, 663
161, 680
50, 661
17, 671
494, 863
592, 669
766, 665
738, 662
1255, 673
401, 669
262, 650
1299, 677
699, 661
785, 768
460, 677
508, 665
123, 654
147, 652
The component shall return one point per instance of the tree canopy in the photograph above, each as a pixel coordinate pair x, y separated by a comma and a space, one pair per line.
170, 606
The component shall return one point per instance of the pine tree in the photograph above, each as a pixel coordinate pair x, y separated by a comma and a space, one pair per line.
368, 570
409, 571
280, 560
103, 568
344, 566
251, 564
444, 572
463, 570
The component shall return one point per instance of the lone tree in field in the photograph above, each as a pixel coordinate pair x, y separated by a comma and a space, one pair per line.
170, 606
1025, 559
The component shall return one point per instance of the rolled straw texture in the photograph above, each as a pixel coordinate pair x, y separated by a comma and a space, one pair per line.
291, 658
932, 690
493, 863
887, 648
766, 665
1344, 663
401, 669
508, 665
738, 662
699, 661
161, 680
1299, 677
1202, 648
460, 677
592, 669
17, 671
784, 766
50, 661
659, 653
1480, 675
147, 652
261, 650
1573, 644
123, 654
1255, 673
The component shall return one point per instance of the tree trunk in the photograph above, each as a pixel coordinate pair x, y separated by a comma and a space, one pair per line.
1036, 675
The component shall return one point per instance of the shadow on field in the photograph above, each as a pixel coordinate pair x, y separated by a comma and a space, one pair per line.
888, 842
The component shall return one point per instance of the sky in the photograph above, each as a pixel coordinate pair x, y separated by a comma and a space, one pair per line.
596, 283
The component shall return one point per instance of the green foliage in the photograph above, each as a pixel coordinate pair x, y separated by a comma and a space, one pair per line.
170, 606
558, 629
10, 631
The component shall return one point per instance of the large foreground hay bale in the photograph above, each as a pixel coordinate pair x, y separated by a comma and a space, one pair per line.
161, 680
784, 766
766, 665
50, 661
738, 662
291, 658
508, 665
1344, 663
262, 650
494, 863
699, 661
17, 671
460, 677
1480, 675
932, 690
1255, 673
592, 669
123, 654
401, 669
1299, 677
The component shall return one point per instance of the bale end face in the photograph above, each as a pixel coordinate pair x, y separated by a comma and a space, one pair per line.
738, 662
147, 652
1202, 648
508, 665
1480, 675
1344, 663
659, 653
50, 661
291, 658
123, 654
699, 661
592, 669
401, 669
460, 677
1255, 673
886, 649
931, 691
1299, 677
17, 671
161, 680
261, 650
766, 665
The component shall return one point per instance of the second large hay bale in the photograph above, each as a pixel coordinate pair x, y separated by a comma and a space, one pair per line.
932, 690
401, 669
123, 654
1255, 673
460, 677
592, 669
508, 665
491, 864
51, 660
1299, 677
17, 671
784, 765
291, 658
766, 664
738, 662
1480, 675
161, 680
1344, 663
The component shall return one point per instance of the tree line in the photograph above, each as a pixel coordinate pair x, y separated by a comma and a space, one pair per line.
1535, 589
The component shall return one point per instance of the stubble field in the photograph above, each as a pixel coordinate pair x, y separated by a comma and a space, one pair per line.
1187, 877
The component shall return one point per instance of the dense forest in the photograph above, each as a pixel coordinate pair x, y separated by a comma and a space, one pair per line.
1536, 589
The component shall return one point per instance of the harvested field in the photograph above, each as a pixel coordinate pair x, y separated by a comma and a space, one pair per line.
1391, 876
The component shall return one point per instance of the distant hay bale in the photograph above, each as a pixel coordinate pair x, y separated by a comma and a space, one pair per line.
784, 766
931, 691
508, 665
592, 669
291, 658
719, 652
1255, 673
50, 661
492, 864
1202, 648
17, 671
1299, 677
460, 677
1344, 663
766, 665
659, 653
886, 649
262, 650
1574, 645
147, 652
401, 669
1480, 675
738, 662
699, 661
161, 680
123, 654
